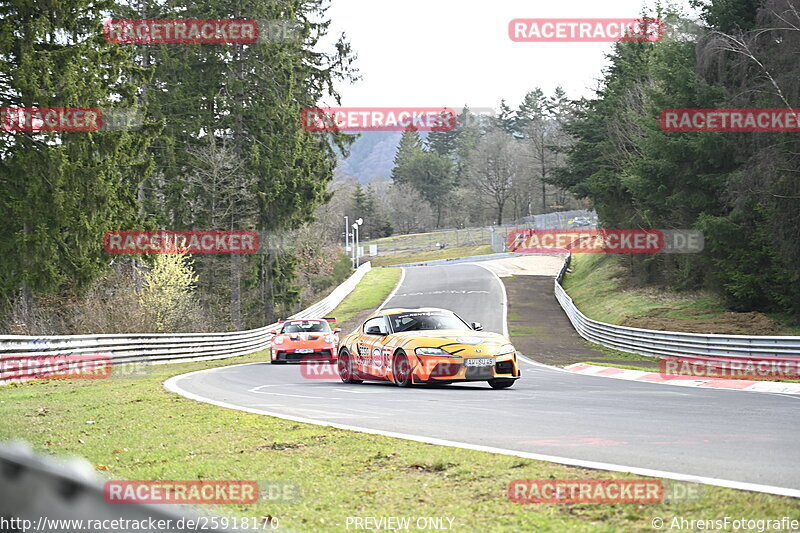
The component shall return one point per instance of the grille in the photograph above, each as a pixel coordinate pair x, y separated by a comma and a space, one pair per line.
504, 367
442, 370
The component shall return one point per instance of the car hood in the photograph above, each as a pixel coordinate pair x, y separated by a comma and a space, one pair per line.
302, 337
453, 336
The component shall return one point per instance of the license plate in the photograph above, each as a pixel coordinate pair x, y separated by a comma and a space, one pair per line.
304, 350
478, 362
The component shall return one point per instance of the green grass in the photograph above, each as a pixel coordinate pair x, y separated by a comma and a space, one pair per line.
430, 255
616, 355
141, 431
625, 367
595, 285
422, 241
373, 288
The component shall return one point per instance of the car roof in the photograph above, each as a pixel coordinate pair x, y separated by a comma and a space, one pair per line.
396, 310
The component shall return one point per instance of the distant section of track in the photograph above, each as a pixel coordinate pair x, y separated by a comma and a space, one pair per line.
721, 437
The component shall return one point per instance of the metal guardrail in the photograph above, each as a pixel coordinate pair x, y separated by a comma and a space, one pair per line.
672, 343
46, 494
161, 348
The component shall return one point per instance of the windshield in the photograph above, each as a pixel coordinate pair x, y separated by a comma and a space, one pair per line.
305, 326
423, 320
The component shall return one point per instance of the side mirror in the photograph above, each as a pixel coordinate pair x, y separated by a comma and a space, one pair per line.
337, 330
477, 326
374, 330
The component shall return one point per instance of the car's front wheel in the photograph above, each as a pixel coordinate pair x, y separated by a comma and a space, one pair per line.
401, 368
501, 383
345, 367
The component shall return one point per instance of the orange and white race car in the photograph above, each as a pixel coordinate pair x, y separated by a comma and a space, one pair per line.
426, 345
305, 340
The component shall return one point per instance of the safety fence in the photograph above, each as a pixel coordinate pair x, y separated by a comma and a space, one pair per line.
493, 236
673, 343
43, 493
156, 348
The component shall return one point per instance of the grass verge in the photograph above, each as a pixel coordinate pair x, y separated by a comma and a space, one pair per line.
595, 286
430, 255
370, 292
599, 286
141, 431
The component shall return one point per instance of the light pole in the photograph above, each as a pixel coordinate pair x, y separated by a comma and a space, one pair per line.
346, 233
357, 223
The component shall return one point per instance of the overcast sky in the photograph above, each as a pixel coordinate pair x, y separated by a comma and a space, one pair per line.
431, 53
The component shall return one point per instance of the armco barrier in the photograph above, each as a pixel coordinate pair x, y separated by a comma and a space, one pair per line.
672, 343
160, 348
42, 493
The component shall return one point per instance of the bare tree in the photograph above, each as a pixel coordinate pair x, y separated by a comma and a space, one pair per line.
408, 211
494, 166
221, 197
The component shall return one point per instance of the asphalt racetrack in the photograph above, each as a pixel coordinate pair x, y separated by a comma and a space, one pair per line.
723, 437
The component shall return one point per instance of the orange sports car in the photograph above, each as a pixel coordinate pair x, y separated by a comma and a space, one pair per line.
305, 340
426, 345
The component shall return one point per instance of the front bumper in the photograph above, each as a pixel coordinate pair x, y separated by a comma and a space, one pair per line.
433, 369
291, 355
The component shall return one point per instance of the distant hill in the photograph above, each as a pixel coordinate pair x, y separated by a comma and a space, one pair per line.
371, 156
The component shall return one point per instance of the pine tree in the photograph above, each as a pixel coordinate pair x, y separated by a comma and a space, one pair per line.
61, 191
410, 145
505, 119
469, 133
432, 175
444, 141
283, 170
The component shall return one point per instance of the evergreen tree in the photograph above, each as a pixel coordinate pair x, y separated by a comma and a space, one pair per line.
432, 175
444, 141
505, 119
61, 191
469, 133
410, 145
219, 90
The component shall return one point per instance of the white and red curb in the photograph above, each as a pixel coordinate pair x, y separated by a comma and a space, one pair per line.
684, 381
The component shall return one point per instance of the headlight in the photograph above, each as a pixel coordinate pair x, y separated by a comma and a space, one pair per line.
430, 351
505, 349
277, 340
330, 339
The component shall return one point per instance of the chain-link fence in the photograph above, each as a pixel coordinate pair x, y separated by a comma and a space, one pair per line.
491, 236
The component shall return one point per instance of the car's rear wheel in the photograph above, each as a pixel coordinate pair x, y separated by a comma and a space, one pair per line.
345, 367
401, 368
501, 383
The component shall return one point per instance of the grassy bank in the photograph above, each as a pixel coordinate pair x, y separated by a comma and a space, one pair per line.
430, 255
368, 295
141, 431
599, 286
